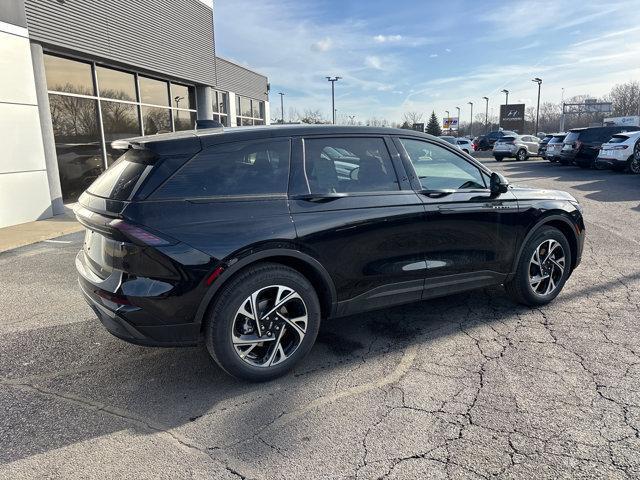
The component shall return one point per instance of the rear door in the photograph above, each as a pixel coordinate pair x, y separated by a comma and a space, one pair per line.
470, 233
358, 215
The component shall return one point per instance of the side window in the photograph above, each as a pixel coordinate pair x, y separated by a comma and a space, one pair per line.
348, 165
438, 168
242, 168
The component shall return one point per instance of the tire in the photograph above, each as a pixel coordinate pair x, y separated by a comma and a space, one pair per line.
225, 324
521, 288
498, 159
633, 165
521, 155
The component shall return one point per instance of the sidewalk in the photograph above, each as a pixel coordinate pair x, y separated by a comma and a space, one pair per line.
32, 232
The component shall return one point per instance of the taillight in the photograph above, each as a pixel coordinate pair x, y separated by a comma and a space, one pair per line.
618, 147
136, 233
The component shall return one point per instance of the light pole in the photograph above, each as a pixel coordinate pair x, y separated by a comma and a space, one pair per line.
539, 82
333, 81
562, 117
486, 116
506, 99
471, 119
448, 121
458, 131
281, 107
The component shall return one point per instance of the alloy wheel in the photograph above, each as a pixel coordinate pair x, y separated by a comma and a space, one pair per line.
269, 326
634, 163
522, 155
546, 267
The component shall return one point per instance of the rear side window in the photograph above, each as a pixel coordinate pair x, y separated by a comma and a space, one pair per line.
618, 139
232, 169
365, 165
120, 180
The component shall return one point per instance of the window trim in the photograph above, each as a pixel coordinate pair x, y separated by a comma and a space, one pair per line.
485, 173
303, 175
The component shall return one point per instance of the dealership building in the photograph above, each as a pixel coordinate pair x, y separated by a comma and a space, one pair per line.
79, 74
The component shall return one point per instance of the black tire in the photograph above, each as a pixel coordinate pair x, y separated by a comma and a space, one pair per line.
519, 287
633, 165
521, 155
222, 317
498, 159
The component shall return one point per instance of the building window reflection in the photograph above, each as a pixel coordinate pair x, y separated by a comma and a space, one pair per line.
120, 120
249, 111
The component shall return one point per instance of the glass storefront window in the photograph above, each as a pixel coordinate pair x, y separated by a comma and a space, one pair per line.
68, 76
182, 97
156, 120
78, 145
255, 109
116, 84
153, 91
184, 120
120, 120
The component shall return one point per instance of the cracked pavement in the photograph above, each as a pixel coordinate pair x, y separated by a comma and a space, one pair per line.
468, 386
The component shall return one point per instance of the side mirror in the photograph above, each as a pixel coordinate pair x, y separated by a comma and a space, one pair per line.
499, 184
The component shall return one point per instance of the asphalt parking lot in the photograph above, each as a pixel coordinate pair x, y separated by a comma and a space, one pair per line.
470, 386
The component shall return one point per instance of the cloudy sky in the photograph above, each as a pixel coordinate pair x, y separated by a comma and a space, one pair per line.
426, 55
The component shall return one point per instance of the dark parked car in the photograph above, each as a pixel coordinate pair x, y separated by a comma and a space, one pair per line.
248, 237
485, 142
582, 145
542, 147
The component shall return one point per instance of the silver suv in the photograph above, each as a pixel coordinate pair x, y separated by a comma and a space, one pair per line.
519, 147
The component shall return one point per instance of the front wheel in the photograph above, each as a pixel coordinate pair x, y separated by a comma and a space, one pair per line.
542, 270
521, 155
263, 322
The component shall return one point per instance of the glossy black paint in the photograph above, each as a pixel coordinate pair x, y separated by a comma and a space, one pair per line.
360, 251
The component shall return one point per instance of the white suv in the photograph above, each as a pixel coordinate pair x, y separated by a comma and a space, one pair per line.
617, 153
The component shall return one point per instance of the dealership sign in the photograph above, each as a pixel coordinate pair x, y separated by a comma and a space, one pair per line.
512, 117
450, 123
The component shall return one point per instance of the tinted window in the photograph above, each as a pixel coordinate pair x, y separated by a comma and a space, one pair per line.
68, 75
243, 168
558, 139
618, 139
364, 167
116, 84
438, 168
572, 137
120, 179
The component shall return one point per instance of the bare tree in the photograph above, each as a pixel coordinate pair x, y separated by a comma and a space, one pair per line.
626, 98
313, 116
412, 117
377, 122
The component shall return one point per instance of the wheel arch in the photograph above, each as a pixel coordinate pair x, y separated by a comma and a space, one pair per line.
560, 222
306, 265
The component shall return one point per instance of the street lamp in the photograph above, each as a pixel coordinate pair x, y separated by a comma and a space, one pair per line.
506, 93
281, 107
471, 119
486, 115
458, 131
333, 81
448, 122
539, 82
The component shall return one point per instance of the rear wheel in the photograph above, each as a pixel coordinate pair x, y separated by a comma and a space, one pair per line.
521, 155
634, 162
543, 268
264, 322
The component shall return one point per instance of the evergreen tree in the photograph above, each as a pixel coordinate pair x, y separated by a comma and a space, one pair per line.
433, 127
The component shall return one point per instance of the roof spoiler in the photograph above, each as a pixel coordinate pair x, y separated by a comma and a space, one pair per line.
125, 144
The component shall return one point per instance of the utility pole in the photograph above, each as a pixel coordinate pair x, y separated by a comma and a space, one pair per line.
281, 107
458, 131
539, 82
471, 119
486, 116
333, 81
562, 117
448, 121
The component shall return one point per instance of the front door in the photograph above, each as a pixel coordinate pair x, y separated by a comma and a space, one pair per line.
360, 219
470, 233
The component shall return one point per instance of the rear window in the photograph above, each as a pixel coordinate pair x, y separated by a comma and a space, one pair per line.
572, 137
233, 169
557, 139
506, 139
618, 139
119, 181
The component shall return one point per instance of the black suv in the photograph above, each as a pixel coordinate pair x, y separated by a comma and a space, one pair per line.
582, 145
247, 237
485, 142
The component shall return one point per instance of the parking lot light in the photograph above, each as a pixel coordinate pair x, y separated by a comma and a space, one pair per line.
486, 115
539, 82
458, 130
471, 119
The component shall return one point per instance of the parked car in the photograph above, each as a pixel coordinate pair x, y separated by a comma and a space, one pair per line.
520, 147
543, 144
554, 147
617, 153
462, 143
248, 237
582, 145
485, 142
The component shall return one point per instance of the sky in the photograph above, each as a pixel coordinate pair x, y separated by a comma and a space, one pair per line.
398, 56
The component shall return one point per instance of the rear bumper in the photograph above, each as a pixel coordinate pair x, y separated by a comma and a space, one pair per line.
611, 163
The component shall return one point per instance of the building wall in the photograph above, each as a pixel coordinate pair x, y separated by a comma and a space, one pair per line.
235, 78
24, 188
174, 38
